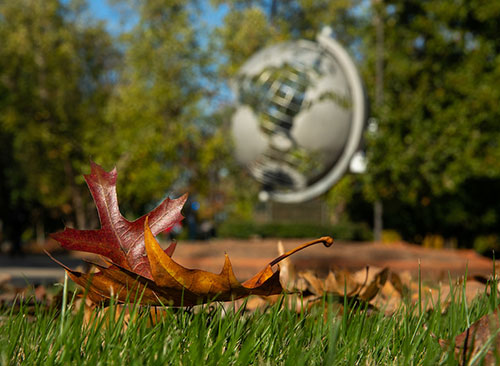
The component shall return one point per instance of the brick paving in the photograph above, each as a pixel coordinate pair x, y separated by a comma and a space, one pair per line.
250, 256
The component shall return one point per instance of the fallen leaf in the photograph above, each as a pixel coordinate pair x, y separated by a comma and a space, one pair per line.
118, 239
138, 269
480, 340
287, 270
375, 286
173, 284
316, 286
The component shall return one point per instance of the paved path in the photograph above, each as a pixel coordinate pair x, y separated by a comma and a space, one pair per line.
248, 257
34, 268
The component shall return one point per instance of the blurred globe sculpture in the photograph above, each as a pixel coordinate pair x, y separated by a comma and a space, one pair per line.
300, 114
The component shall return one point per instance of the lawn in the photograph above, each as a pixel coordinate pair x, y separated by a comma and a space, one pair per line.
222, 335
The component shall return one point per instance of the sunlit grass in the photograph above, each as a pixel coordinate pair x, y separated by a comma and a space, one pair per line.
214, 335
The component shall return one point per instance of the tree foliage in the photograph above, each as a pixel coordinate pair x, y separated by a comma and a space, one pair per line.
435, 153
54, 82
71, 91
161, 134
436, 150
438, 123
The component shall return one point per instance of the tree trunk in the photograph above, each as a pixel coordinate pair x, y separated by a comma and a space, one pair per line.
378, 222
76, 198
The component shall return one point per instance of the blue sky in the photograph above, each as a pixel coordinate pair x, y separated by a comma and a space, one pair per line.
114, 14
102, 10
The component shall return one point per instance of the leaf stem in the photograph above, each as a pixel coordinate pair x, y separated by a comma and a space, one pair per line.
326, 240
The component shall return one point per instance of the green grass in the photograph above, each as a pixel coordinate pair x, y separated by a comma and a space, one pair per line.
212, 335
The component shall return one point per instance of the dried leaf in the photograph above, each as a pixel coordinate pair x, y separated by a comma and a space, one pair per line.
118, 239
481, 338
175, 285
315, 285
4, 279
204, 285
347, 283
287, 273
331, 284
397, 282
375, 286
140, 270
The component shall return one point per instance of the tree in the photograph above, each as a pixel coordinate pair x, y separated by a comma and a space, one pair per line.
54, 82
438, 133
163, 141
68, 95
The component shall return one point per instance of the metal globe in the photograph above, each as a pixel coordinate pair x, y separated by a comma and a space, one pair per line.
299, 117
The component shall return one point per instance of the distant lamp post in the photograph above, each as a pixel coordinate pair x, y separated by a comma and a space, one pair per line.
378, 209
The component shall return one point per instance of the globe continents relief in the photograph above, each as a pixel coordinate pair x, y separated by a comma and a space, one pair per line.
293, 115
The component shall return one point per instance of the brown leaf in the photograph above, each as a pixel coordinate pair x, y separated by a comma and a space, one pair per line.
375, 286
4, 279
139, 270
331, 284
287, 272
173, 284
398, 284
347, 284
316, 286
483, 333
118, 239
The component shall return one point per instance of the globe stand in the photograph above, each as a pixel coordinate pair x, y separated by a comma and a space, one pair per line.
313, 212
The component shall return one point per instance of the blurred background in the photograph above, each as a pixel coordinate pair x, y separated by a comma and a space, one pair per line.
144, 86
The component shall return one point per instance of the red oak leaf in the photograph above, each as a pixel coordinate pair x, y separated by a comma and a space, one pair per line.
173, 284
118, 239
